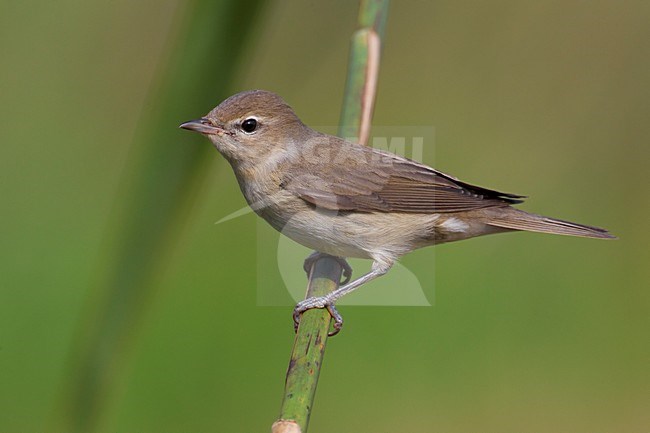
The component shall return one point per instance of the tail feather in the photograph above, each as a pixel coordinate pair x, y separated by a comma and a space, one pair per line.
515, 219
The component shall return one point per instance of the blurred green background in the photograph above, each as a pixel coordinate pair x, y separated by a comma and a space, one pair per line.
528, 333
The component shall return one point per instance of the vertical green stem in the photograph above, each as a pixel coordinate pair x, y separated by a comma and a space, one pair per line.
161, 173
363, 69
309, 345
309, 348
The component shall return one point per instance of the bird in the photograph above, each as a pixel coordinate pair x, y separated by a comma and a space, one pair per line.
347, 200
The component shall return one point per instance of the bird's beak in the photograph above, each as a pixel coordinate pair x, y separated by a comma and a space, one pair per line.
202, 125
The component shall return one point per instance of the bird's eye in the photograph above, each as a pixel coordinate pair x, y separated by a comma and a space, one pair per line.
249, 125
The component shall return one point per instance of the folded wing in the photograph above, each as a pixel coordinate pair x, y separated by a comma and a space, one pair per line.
377, 181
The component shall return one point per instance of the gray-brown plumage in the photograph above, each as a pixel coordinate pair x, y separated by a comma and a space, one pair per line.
349, 200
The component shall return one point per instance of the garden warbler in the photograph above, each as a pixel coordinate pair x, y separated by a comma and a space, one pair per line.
348, 200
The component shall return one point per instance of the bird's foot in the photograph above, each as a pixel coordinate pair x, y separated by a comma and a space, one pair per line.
318, 302
315, 256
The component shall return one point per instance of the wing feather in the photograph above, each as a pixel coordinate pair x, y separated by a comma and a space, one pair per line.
382, 182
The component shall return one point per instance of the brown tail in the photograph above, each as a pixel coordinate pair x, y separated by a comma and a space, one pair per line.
515, 219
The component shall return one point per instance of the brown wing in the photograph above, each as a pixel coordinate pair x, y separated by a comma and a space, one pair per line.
375, 181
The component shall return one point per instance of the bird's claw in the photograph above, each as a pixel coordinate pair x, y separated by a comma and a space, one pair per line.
318, 302
315, 256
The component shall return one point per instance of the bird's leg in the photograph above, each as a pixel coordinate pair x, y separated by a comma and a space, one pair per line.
378, 269
315, 256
